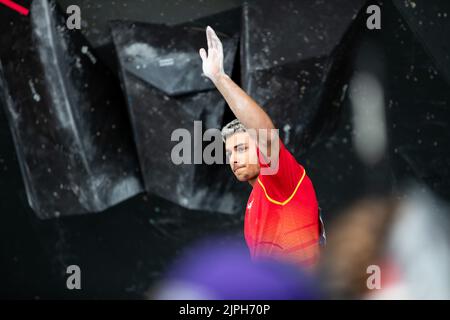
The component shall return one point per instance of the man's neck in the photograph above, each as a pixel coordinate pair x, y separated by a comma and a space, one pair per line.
252, 181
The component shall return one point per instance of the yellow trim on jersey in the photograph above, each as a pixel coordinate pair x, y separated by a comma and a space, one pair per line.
288, 199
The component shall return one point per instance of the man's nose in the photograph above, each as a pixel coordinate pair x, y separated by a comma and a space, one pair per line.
233, 160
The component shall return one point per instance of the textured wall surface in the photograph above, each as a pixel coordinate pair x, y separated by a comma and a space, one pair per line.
364, 111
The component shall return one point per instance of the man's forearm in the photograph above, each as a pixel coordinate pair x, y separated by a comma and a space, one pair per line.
246, 110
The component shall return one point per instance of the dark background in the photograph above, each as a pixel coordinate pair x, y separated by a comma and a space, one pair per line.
125, 249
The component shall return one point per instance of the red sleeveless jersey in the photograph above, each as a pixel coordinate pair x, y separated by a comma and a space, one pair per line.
282, 220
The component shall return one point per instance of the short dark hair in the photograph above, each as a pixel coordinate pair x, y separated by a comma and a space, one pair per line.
231, 128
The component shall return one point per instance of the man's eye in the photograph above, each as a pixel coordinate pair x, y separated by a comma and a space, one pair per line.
241, 149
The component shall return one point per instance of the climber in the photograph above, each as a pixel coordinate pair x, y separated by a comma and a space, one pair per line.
282, 219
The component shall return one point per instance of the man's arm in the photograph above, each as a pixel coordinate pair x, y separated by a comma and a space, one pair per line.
246, 110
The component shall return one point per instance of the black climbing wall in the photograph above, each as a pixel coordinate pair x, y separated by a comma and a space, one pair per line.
67, 117
302, 77
161, 76
298, 59
123, 250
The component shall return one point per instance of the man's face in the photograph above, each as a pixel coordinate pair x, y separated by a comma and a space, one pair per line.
242, 155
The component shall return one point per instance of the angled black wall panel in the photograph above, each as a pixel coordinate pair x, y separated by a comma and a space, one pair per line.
429, 21
288, 53
416, 97
162, 78
67, 115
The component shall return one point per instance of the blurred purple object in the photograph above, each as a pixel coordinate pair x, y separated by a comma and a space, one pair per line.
214, 272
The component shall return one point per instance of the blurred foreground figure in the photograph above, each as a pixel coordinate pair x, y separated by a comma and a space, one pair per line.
211, 273
407, 240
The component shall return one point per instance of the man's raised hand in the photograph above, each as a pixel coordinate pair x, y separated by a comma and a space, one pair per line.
213, 60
